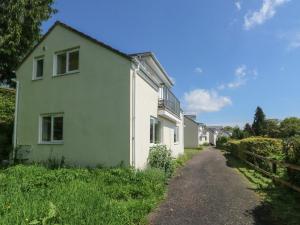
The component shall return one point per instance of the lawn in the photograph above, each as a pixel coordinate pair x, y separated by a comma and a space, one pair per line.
280, 205
37, 195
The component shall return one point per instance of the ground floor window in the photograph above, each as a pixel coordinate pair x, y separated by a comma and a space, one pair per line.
51, 128
176, 134
155, 130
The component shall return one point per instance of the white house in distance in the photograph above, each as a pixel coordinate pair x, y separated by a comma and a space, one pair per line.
84, 101
191, 131
203, 134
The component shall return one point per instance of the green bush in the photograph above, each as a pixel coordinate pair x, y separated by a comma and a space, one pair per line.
267, 147
33, 194
160, 158
7, 107
221, 142
6, 133
292, 155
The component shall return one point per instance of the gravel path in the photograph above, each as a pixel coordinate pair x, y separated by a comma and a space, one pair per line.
208, 192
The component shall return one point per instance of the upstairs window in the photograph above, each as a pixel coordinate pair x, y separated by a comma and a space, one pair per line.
66, 62
51, 128
155, 128
38, 68
176, 134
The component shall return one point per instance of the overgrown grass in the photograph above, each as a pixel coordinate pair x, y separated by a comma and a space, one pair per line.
188, 154
36, 195
283, 205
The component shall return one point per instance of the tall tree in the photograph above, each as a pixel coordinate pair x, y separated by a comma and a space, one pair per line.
20, 29
248, 130
259, 122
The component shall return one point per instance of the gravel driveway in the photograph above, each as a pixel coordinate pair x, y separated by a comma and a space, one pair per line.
208, 192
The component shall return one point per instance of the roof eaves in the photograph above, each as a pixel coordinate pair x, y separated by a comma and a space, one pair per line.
79, 33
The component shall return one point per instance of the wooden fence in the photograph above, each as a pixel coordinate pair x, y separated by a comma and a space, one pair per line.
274, 165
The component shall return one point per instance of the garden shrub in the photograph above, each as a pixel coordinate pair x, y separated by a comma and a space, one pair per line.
221, 142
292, 155
160, 158
7, 107
267, 147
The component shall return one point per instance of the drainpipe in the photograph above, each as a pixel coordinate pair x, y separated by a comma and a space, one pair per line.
16, 119
136, 69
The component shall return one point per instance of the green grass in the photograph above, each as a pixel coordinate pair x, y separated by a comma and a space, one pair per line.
282, 203
36, 195
188, 154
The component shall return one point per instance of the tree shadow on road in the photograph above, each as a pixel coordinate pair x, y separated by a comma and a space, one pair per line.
279, 205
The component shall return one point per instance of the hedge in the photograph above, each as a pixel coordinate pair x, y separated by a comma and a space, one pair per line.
272, 148
7, 108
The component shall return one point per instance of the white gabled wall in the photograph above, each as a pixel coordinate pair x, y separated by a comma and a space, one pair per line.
146, 102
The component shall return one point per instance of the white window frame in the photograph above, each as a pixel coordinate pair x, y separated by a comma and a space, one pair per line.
154, 141
52, 141
176, 132
55, 74
34, 70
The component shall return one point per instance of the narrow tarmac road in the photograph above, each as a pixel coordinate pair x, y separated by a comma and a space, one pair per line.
208, 192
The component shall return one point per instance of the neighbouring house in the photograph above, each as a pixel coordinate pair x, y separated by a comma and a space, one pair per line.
191, 132
87, 103
214, 132
195, 133
203, 134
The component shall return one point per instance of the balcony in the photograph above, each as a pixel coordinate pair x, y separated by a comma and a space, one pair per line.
169, 102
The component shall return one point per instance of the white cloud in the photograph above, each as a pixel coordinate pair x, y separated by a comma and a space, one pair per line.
198, 70
267, 11
242, 76
238, 5
292, 38
201, 100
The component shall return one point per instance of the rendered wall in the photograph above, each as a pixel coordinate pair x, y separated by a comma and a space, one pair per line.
95, 103
190, 133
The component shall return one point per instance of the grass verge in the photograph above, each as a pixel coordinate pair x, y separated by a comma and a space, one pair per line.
189, 153
35, 195
279, 204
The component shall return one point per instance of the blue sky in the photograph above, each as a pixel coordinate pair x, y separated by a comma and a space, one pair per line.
226, 57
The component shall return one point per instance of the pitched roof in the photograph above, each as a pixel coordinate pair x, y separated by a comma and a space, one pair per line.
151, 54
58, 23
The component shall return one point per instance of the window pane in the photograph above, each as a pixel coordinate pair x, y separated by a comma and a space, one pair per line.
157, 131
151, 130
39, 67
46, 128
73, 61
61, 63
58, 128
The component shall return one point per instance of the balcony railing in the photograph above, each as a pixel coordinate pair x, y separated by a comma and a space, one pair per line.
169, 101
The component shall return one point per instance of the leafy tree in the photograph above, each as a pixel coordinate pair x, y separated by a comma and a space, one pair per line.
20, 22
228, 128
248, 132
290, 127
258, 125
272, 128
237, 133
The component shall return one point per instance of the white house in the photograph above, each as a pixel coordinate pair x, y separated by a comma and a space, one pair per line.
203, 134
84, 101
